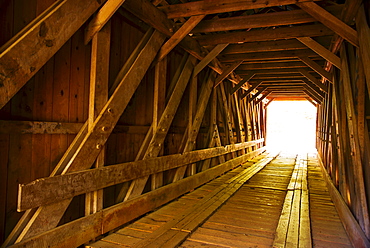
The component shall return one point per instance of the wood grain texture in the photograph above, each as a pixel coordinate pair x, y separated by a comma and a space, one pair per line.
45, 36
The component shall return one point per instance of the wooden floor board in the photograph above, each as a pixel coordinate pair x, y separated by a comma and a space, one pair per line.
327, 229
248, 218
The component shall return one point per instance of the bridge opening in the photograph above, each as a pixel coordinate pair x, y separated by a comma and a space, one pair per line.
291, 126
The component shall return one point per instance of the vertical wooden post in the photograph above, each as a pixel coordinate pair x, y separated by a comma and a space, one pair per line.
158, 108
362, 209
191, 170
99, 74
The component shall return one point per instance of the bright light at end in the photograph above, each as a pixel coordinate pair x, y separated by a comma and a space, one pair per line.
291, 126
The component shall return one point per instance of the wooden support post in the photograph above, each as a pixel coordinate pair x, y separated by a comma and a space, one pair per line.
339, 132
193, 132
47, 217
364, 40
191, 170
158, 108
155, 145
362, 210
99, 74
229, 125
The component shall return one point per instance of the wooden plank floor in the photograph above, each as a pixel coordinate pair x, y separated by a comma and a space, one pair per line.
249, 218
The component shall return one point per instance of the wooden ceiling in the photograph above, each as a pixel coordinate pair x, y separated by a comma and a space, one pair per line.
275, 48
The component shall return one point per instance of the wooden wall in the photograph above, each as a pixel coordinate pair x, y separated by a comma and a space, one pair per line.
41, 121
343, 124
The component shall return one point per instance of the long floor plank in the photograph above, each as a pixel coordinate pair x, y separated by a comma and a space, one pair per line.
248, 218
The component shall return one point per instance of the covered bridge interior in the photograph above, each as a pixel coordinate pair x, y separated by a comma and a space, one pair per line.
118, 115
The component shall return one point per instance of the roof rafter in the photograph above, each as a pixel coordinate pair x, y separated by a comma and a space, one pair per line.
265, 35
257, 21
219, 6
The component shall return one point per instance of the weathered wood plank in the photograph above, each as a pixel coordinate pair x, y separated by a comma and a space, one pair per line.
364, 37
320, 50
193, 217
218, 6
164, 124
314, 80
193, 132
258, 21
101, 18
227, 72
90, 147
159, 104
117, 215
335, 24
264, 35
355, 233
271, 55
317, 68
38, 42
99, 75
264, 46
354, 143
38, 127
208, 58
179, 35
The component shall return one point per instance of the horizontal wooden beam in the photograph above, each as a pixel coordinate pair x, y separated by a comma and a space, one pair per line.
264, 46
264, 35
258, 21
23, 56
49, 190
69, 235
271, 65
219, 6
39, 127
274, 55
44, 127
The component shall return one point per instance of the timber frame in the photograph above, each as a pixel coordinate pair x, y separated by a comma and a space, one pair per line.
107, 105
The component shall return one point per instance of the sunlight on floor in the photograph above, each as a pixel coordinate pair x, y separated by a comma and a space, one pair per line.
291, 126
